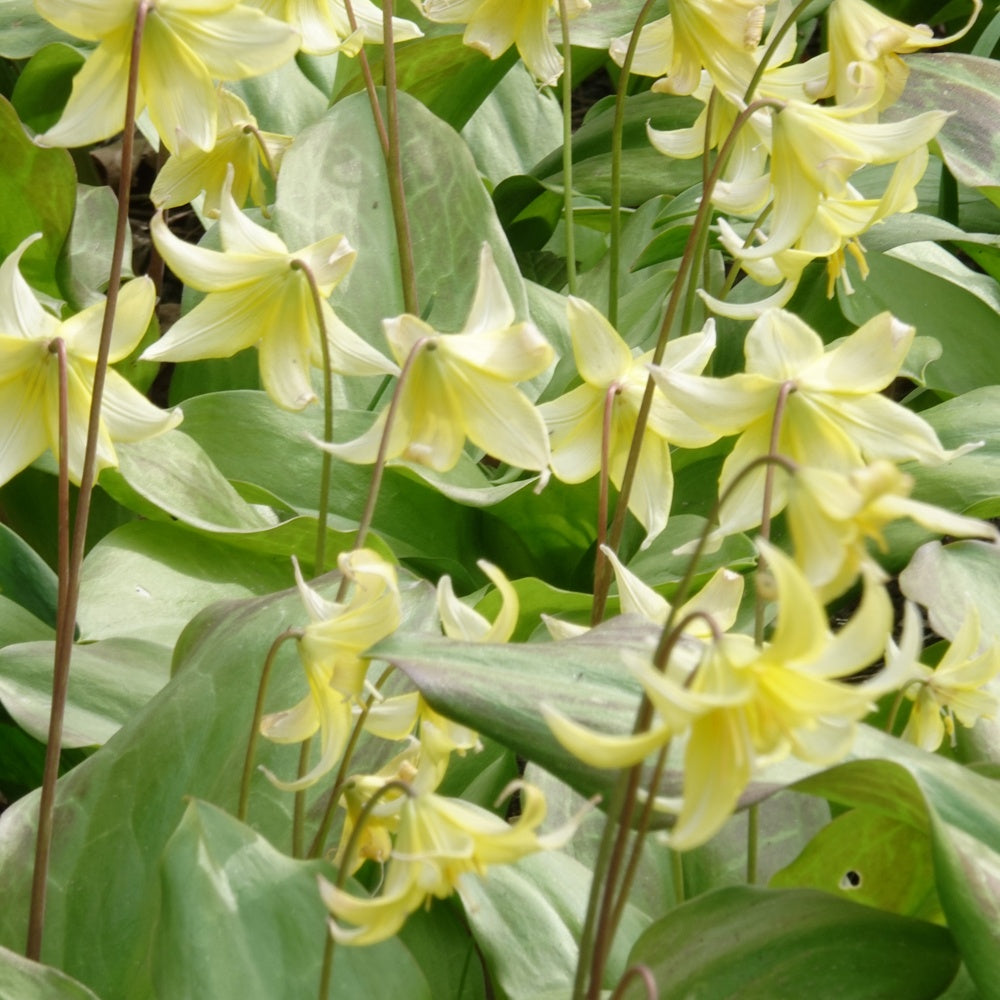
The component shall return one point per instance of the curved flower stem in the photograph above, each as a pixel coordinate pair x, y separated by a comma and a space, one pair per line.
394, 166
66, 618
366, 73
265, 153
702, 219
567, 151
424, 343
897, 704
340, 782
258, 714
644, 975
327, 465
602, 496
617, 131
393, 785
299, 810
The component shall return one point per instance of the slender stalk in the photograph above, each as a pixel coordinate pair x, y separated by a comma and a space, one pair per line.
772, 47
299, 809
316, 848
265, 153
602, 497
393, 784
617, 131
567, 150
897, 704
258, 714
424, 343
66, 618
327, 464
366, 73
753, 842
643, 974
394, 165
702, 219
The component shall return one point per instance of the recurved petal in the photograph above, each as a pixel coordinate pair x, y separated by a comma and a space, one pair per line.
719, 598
780, 346
653, 486
800, 632
88, 19
492, 308
636, 597
575, 423
294, 724
284, 357
514, 353
721, 405
241, 235
329, 260
349, 354
506, 620
458, 620
96, 106
21, 315
602, 749
82, 332
364, 449
654, 51
866, 361
128, 415
602, 357
22, 431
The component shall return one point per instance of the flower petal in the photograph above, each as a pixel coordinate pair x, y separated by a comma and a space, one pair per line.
602, 357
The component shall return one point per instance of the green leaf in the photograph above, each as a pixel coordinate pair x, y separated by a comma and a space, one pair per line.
108, 683
968, 87
240, 919
87, 264
25, 170
283, 101
329, 186
868, 857
22, 979
949, 580
43, 88
23, 31
527, 919
760, 943
26, 578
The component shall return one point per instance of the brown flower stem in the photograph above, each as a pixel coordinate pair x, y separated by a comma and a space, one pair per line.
567, 150
702, 219
602, 496
258, 714
66, 618
617, 132
394, 166
644, 975
424, 343
366, 73
323, 513
299, 809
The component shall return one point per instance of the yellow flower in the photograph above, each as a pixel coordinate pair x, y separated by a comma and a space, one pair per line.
495, 25
29, 375
331, 651
954, 689
832, 517
462, 386
835, 416
745, 706
325, 26
720, 36
859, 33
459, 621
191, 170
439, 842
185, 44
612, 376
259, 296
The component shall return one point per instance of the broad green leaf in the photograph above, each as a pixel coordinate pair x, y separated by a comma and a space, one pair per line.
950, 579
527, 919
282, 101
22, 979
966, 327
868, 857
968, 87
240, 919
109, 682
23, 31
605, 21
116, 811
43, 88
18, 625
147, 580
87, 265
330, 186
25, 170
26, 578
765, 943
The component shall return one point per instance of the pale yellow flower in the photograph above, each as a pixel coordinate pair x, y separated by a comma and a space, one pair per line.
325, 27
259, 296
185, 45
191, 170
462, 386
439, 842
29, 375
745, 706
954, 689
331, 650
832, 516
613, 377
834, 418
493, 26
459, 621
